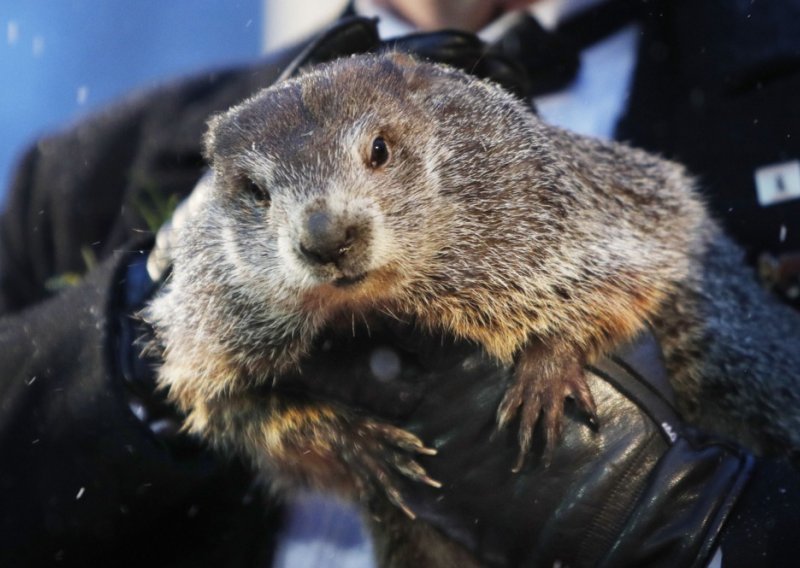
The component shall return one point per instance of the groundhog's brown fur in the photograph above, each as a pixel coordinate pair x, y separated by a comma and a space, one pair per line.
474, 218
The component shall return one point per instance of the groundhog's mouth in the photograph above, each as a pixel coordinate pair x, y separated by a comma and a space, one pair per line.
345, 281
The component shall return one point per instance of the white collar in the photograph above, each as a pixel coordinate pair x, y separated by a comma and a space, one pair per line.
549, 13
389, 24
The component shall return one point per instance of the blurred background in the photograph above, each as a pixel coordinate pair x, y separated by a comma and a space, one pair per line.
61, 59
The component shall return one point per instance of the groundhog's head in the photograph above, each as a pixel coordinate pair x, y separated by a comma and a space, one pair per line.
354, 178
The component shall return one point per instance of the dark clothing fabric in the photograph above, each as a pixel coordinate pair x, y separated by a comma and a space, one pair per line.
82, 482
715, 88
762, 528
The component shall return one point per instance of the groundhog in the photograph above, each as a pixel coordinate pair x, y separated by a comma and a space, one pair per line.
383, 185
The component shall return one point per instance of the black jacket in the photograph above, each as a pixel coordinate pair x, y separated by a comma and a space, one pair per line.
715, 88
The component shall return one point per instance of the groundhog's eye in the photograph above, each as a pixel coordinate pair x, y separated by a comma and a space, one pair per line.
379, 154
258, 193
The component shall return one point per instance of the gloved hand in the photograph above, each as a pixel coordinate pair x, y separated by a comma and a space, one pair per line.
642, 490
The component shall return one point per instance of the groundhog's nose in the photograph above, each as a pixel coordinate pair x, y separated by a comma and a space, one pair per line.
326, 241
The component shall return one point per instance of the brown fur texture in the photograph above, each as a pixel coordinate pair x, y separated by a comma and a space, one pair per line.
544, 247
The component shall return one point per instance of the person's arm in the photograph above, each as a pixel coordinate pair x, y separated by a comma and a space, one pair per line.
82, 480
642, 490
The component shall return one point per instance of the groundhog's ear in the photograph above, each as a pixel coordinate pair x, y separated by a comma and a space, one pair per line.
406, 64
402, 60
424, 78
397, 66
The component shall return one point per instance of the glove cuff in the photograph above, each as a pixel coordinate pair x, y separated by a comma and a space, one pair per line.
686, 499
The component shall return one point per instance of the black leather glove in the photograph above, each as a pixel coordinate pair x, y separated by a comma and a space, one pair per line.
136, 360
642, 490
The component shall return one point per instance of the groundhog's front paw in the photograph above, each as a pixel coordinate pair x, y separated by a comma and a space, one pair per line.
541, 385
301, 445
377, 452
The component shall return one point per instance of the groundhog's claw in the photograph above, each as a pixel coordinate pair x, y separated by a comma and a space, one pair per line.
540, 388
381, 450
400, 438
580, 393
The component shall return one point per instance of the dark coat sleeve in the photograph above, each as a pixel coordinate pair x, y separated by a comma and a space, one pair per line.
82, 482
